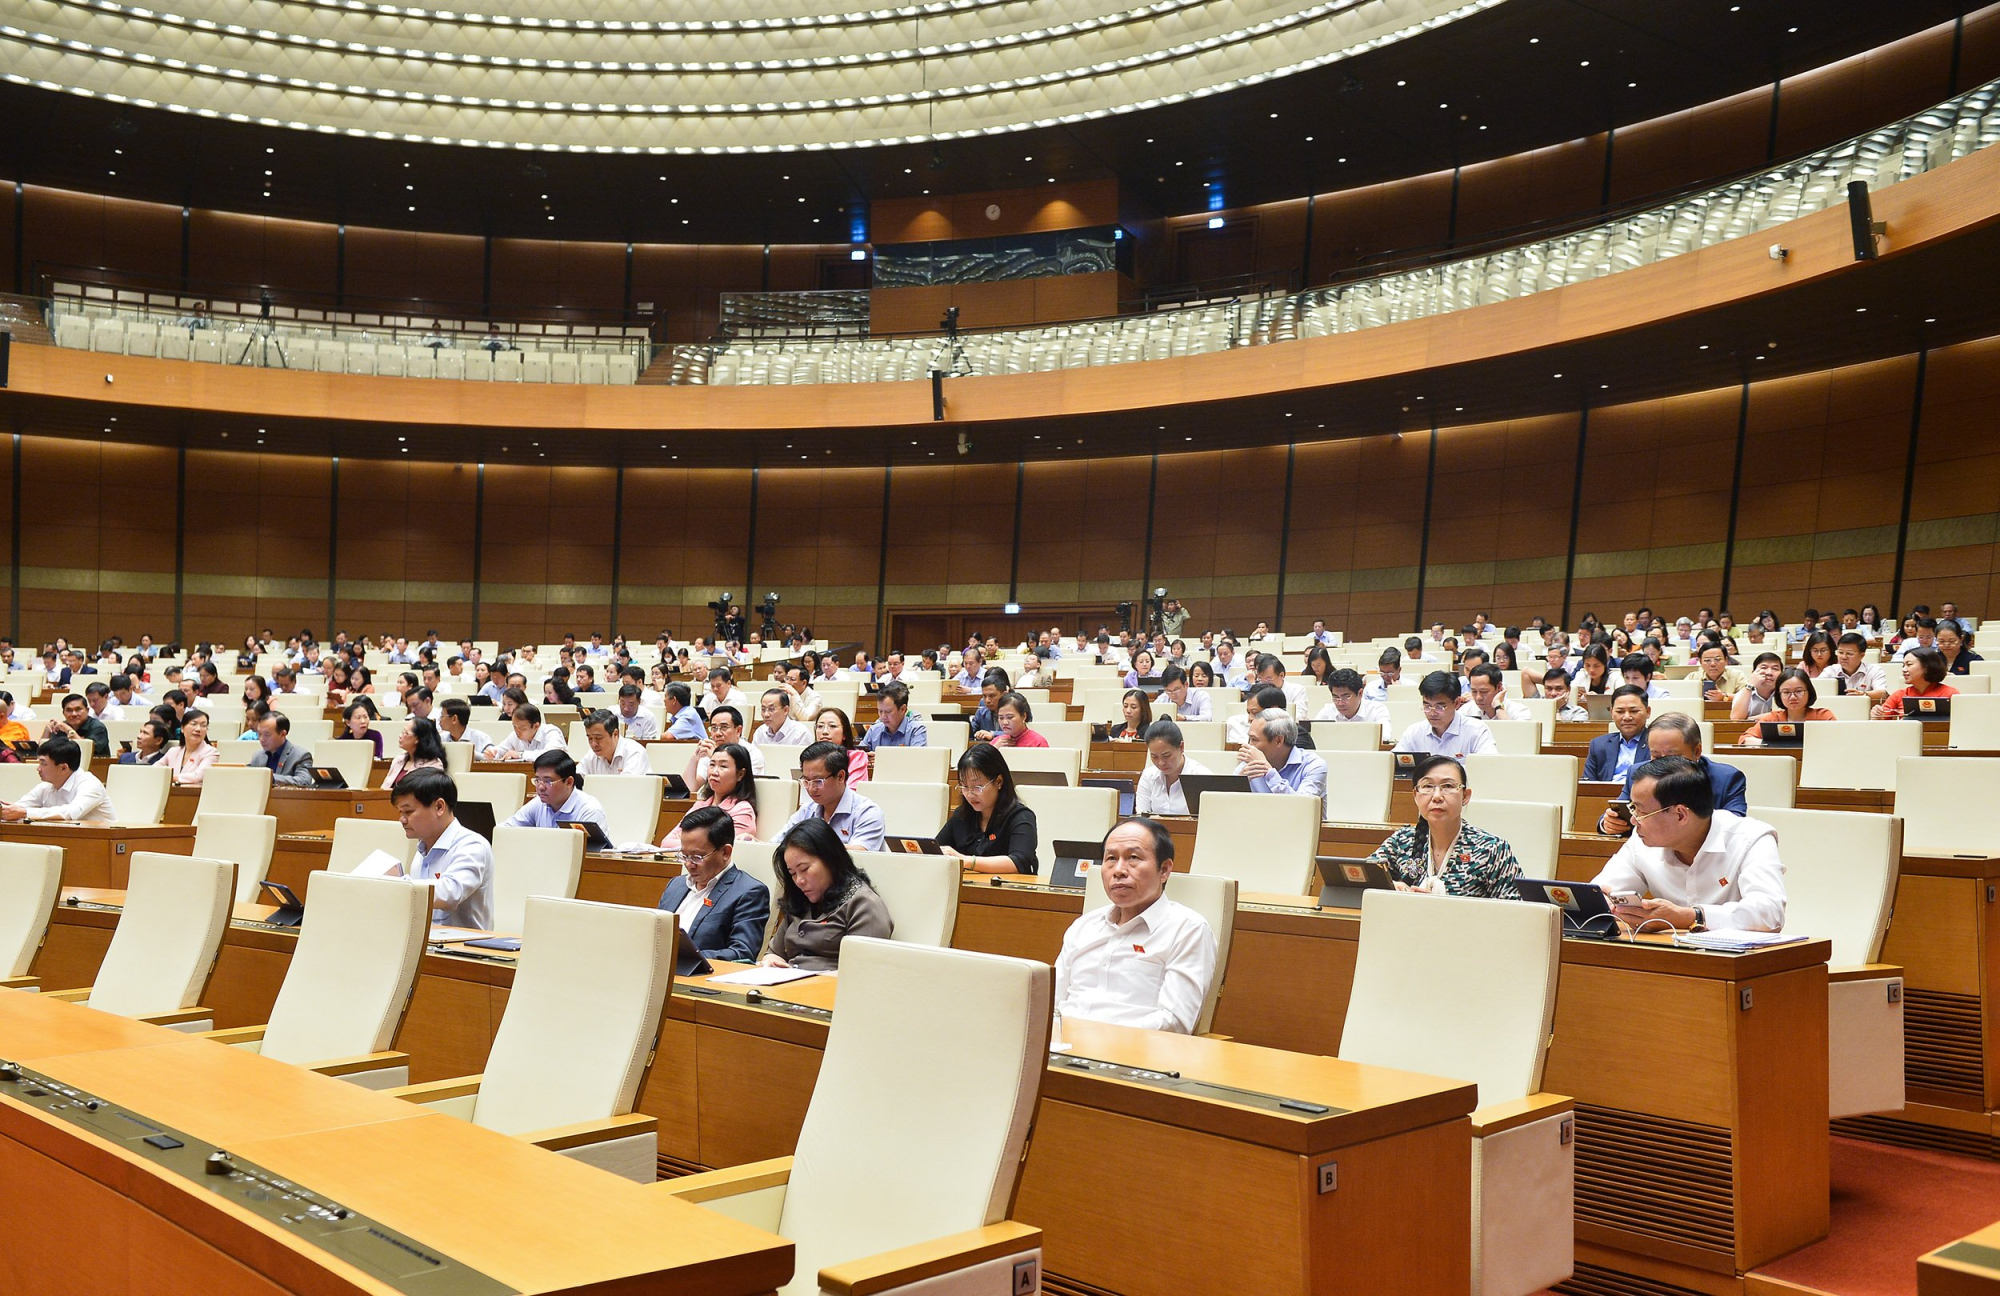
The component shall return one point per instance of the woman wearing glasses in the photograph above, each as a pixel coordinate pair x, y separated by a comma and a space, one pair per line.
1441, 853
823, 898
991, 831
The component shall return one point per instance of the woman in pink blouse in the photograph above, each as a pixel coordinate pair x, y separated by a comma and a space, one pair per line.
729, 787
1013, 717
191, 759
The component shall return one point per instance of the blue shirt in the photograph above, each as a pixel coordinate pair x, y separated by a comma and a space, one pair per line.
461, 863
493, 689
580, 808
911, 734
687, 725
856, 821
1303, 772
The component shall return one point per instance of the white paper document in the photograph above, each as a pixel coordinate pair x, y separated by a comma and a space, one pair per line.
760, 976
379, 864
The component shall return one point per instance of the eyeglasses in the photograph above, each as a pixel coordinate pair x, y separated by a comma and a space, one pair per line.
1638, 819
975, 789
1438, 789
542, 781
814, 784
1436, 706
694, 857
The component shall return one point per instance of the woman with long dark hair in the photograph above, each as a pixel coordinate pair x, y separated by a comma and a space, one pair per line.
823, 898
991, 831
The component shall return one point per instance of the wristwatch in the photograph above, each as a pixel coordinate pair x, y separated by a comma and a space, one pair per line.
1700, 920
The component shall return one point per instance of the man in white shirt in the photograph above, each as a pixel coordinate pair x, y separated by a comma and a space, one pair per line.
66, 793
638, 723
609, 752
453, 859
1852, 670
722, 691
1167, 761
1143, 960
1228, 671
1348, 706
530, 737
1389, 670
725, 726
1445, 730
1488, 687
1322, 636
1180, 701
454, 721
97, 696
778, 728
1236, 729
1703, 867
1271, 671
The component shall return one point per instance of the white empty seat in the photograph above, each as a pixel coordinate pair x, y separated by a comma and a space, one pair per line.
478, 366
532, 862
142, 338
1849, 755
1360, 785
1548, 779
1948, 807
909, 809
535, 366
1066, 761
139, 792
234, 789
622, 371
505, 791
30, 877
1532, 828
592, 369
909, 765
164, 948
1214, 898
1975, 720
1265, 841
924, 1151
1769, 781
777, 800
390, 360
631, 806
245, 840
108, 335
354, 759
563, 367
1493, 1029
919, 891
355, 839
1079, 814
1516, 737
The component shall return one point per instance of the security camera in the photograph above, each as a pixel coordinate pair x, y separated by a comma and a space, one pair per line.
1779, 252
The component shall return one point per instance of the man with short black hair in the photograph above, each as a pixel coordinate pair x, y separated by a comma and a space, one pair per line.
1679, 736
456, 861
637, 722
1611, 756
1348, 705
76, 722
1637, 668
722, 910
290, 764
854, 819
1487, 685
67, 793
1389, 668
1853, 672
559, 796
1759, 695
1703, 866
454, 722
684, 720
1178, 701
1445, 730
610, 753
897, 727
722, 691
778, 729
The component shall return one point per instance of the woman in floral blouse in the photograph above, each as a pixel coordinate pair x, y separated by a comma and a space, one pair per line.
1442, 854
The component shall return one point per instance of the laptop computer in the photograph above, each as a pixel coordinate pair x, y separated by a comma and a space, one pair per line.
478, 816
1039, 778
327, 778
1586, 913
915, 846
1926, 708
1343, 881
1781, 733
1073, 862
1194, 785
1128, 794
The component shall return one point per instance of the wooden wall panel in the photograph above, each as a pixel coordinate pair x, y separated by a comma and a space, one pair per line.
1545, 184
405, 551
1353, 226
261, 560
227, 250
819, 535
664, 274
1217, 522
1680, 149
1074, 205
1860, 93
405, 270
685, 543
1083, 534
542, 275
1500, 520
951, 536
59, 228
7, 282
1952, 551
97, 539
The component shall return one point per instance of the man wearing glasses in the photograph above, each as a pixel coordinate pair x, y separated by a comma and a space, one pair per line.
722, 909
1679, 736
559, 796
855, 819
1445, 730
1273, 761
1701, 866
1440, 853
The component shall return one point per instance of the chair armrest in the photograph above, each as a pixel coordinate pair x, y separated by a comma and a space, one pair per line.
19, 982
1499, 1117
178, 1015
68, 996
361, 1062
560, 1137
437, 1090
753, 1176
910, 1264
237, 1035
1865, 972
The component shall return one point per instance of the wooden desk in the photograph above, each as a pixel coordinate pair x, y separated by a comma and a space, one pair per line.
733, 1081
100, 855
1967, 1267
1730, 1092
297, 809
515, 1219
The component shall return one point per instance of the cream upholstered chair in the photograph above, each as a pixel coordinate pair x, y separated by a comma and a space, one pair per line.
777, 800
1070, 814
349, 981
1769, 781
1858, 755
1066, 761
1500, 957
1853, 706
1214, 898
1360, 785
1548, 779
909, 765
1532, 828
233, 789
631, 805
1265, 841
245, 841
458, 760
1947, 806
139, 793
909, 809
1840, 884
532, 862
355, 839
505, 791
779, 758
1516, 737
591, 990
312, 728
1975, 721
30, 877
669, 757
164, 949
920, 892
906, 1169
1329, 737
16, 781
353, 758
1069, 733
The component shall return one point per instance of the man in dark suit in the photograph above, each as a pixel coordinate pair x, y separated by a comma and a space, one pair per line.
290, 764
1675, 734
1612, 755
722, 909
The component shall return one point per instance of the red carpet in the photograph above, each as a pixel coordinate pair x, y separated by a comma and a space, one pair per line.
1891, 1205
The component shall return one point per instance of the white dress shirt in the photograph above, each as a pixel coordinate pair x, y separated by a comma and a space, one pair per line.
1509, 710
756, 763
734, 698
640, 726
1366, 712
790, 734
1736, 877
1866, 678
1196, 707
690, 908
805, 703
547, 738
580, 808
460, 864
81, 799
1464, 736
627, 757
1156, 797
1152, 972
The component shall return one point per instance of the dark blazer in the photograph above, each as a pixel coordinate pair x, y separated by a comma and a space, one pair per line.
731, 925
1731, 789
294, 767
1601, 763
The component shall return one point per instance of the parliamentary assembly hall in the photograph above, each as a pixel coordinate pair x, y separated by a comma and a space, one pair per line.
986, 648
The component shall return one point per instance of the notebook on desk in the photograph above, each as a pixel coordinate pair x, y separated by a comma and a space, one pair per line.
1194, 785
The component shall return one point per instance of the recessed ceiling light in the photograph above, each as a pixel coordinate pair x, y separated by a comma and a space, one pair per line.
1702, 347
1860, 310
1931, 320
1534, 40
1402, 83
1558, 375
1584, 63
1274, 116
1309, 139
272, 150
